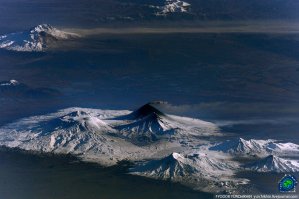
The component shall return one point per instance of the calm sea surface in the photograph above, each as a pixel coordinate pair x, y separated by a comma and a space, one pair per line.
24, 176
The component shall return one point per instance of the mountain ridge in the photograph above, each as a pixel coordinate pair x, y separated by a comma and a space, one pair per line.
254, 147
273, 163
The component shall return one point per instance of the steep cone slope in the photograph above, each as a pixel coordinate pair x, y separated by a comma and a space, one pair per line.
142, 112
148, 124
172, 166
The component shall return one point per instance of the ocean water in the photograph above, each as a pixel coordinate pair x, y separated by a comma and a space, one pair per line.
25, 176
266, 183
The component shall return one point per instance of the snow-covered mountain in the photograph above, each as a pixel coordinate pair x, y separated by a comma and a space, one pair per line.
147, 129
177, 165
78, 120
218, 10
11, 82
14, 89
244, 147
36, 39
273, 163
92, 132
110, 136
196, 170
76, 131
174, 6
173, 166
148, 124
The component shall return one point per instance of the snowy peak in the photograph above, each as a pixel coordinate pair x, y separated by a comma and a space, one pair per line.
10, 83
273, 163
145, 124
77, 122
152, 122
14, 89
238, 146
148, 124
174, 6
243, 145
177, 165
44, 30
175, 158
83, 121
75, 114
37, 39
145, 130
170, 167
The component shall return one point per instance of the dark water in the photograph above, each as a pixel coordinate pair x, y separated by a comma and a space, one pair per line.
24, 176
266, 183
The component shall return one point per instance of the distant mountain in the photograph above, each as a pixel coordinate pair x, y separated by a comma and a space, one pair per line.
230, 10
273, 163
9, 83
241, 147
154, 9
37, 39
159, 11
13, 89
173, 6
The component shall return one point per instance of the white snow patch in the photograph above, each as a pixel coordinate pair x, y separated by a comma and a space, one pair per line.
173, 6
